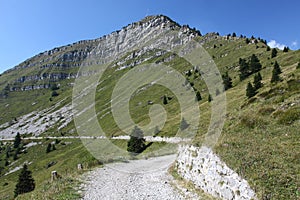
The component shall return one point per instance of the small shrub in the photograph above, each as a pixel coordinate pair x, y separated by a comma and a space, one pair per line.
266, 110
252, 121
289, 116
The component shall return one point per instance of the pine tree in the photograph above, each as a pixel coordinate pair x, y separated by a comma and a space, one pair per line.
156, 131
257, 81
7, 152
209, 98
54, 93
244, 69
189, 73
48, 148
17, 140
286, 49
298, 66
183, 124
54, 87
217, 92
198, 96
268, 48
165, 100
274, 53
15, 157
227, 81
255, 65
250, 91
275, 73
25, 182
247, 41
136, 143
233, 34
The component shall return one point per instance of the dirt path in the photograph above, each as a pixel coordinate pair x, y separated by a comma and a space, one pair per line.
138, 179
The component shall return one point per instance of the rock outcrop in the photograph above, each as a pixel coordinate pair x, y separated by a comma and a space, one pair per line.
62, 63
205, 169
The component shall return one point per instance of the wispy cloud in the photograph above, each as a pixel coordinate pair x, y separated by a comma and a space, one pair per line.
274, 44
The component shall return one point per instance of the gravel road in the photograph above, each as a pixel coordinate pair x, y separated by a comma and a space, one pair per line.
138, 179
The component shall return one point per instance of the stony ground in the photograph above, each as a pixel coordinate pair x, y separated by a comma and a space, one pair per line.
137, 179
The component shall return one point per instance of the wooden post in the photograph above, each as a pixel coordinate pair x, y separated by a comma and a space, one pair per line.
54, 175
79, 167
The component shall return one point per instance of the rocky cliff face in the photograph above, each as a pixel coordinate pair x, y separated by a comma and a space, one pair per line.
63, 62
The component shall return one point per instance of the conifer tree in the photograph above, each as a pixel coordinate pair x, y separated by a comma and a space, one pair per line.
255, 65
209, 98
227, 81
275, 73
25, 182
273, 53
298, 66
286, 49
257, 81
165, 100
15, 157
250, 91
183, 124
136, 143
244, 69
17, 140
48, 149
156, 131
198, 96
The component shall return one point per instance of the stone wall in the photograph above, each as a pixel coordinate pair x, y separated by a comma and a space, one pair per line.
205, 169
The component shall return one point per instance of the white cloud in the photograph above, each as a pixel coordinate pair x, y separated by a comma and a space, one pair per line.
294, 44
274, 44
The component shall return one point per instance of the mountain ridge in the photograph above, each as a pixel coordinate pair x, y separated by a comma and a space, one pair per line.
152, 20
260, 133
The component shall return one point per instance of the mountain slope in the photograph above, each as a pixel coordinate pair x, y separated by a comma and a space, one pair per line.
260, 138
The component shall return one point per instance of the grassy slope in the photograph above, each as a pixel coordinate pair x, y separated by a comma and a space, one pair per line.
261, 146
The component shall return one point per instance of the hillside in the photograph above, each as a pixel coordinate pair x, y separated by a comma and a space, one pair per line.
259, 140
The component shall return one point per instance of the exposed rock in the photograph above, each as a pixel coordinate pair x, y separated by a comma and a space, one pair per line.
75, 55
205, 169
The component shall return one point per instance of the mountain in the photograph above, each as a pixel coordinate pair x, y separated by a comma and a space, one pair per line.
260, 137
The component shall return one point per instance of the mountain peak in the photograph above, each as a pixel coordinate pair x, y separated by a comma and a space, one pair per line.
158, 18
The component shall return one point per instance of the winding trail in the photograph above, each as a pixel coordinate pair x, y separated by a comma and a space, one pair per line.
137, 179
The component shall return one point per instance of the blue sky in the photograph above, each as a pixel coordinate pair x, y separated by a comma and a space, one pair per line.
33, 26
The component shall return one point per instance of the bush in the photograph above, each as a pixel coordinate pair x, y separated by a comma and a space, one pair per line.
252, 121
267, 110
289, 116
